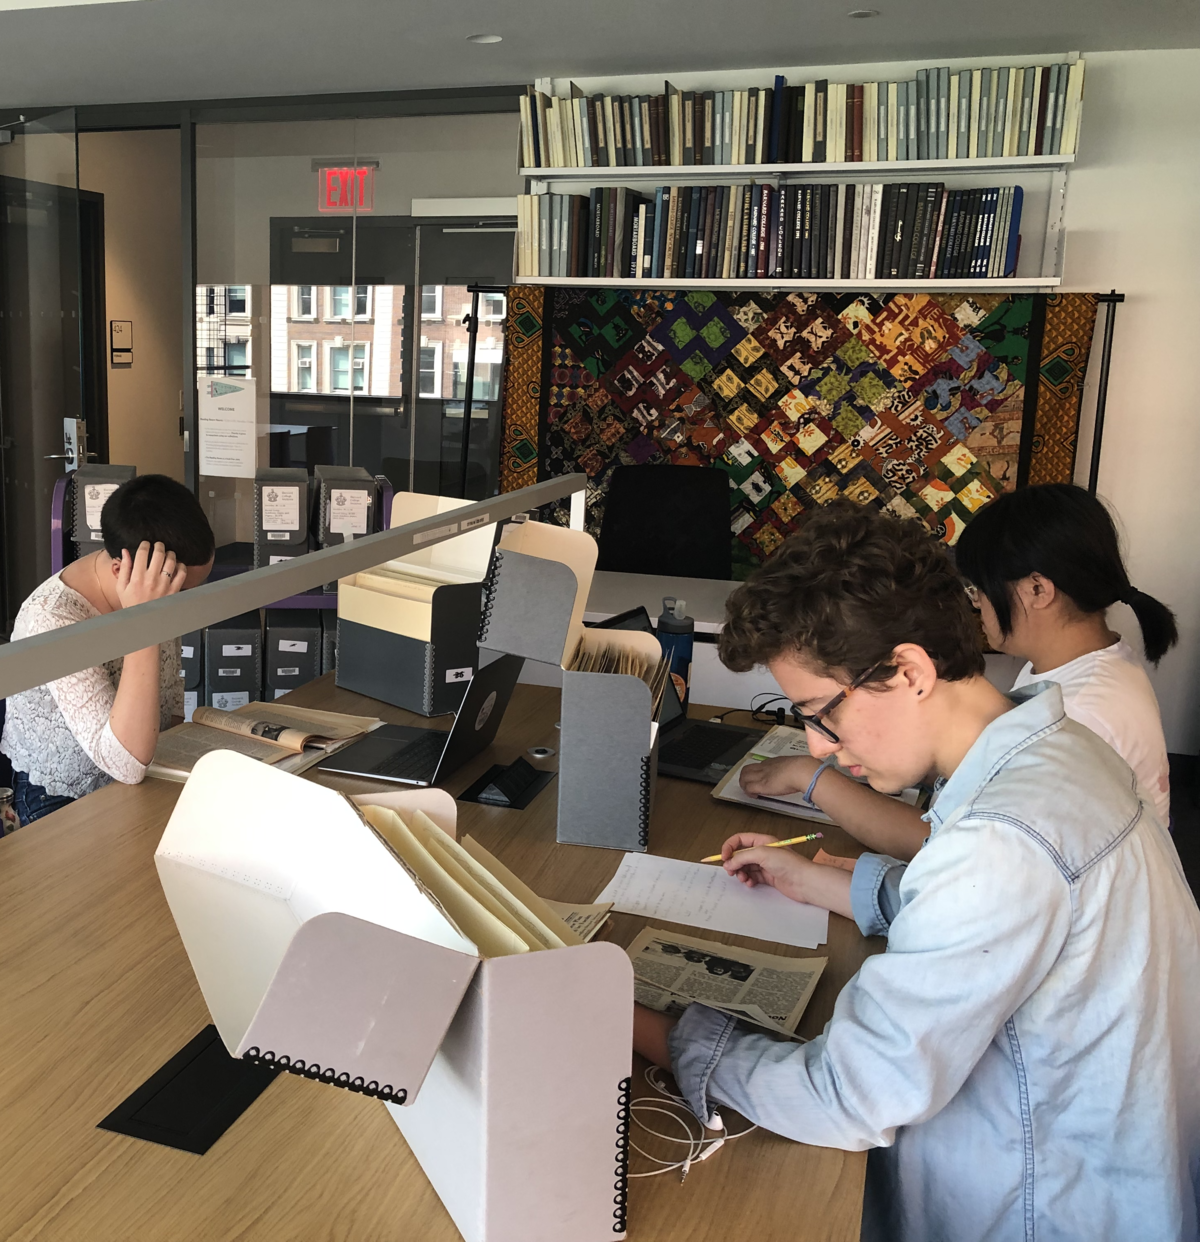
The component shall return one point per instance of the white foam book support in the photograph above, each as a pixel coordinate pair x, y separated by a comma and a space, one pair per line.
534, 598
318, 951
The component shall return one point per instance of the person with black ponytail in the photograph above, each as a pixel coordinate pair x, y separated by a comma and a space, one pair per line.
1043, 566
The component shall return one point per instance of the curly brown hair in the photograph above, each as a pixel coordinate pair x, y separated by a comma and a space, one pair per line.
845, 590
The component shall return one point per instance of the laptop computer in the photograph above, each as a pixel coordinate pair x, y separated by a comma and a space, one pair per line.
413, 756
695, 750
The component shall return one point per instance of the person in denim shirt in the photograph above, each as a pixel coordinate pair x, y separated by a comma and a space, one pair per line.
1024, 1059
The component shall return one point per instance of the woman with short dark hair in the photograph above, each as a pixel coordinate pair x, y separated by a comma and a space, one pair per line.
78, 733
1022, 1060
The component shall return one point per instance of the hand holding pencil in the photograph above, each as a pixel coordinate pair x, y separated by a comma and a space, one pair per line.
810, 836
755, 858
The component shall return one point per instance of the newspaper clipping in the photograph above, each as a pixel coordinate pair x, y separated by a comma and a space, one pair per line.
671, 971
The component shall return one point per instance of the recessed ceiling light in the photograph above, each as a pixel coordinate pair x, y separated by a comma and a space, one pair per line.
863, 13
485, 38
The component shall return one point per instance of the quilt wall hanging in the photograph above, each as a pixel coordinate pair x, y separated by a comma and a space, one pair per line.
926, 405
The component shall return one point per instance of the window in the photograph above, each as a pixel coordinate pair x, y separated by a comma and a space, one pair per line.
430, 384
211, 302
210, 358
491, 307
304, 306
237, 360
237, 302
342, 361
431, 301
303, 372
339, 301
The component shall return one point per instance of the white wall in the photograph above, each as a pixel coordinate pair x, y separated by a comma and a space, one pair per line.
1133, 224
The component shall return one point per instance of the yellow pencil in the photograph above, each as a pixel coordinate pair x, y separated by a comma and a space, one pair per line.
812, 836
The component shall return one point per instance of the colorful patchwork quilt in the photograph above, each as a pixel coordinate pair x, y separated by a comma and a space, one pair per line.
926, 405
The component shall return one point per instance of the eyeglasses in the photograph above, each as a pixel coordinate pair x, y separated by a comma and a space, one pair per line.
815, 721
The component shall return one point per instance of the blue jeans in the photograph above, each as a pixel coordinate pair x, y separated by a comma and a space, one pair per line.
32, 801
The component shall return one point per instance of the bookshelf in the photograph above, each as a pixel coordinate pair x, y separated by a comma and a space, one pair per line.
1042, 177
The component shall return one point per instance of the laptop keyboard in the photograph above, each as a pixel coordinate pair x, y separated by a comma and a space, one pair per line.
697, 748
417, 761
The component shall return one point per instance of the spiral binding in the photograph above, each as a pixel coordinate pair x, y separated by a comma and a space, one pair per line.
489, 594
644, 805
621, 1185
387, 1093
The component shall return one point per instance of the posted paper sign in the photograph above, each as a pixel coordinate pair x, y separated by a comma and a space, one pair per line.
348, 511
226, 416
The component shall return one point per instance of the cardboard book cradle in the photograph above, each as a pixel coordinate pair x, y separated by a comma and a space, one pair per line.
318, 952
534, 598
407, 630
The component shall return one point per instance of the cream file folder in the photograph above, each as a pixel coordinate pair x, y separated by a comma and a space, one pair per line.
319, 950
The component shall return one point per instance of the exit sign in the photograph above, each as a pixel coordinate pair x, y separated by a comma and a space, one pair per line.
341, 191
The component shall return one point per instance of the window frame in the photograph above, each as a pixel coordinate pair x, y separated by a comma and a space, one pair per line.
351, 346
438, 355
294, 366
352, 306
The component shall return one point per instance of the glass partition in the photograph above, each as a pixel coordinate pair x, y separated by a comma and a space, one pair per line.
41, 368
308, 262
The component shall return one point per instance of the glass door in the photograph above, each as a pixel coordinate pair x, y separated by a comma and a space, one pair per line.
40, 356
456, 454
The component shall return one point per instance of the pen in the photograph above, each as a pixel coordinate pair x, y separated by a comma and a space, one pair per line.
812, 836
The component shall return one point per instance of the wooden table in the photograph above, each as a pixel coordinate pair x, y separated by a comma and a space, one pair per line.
96, 993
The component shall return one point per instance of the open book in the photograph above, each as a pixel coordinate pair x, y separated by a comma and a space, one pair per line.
292, 738
785, 741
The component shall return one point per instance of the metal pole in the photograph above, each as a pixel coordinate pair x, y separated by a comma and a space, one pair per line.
472, 322
187, 219
1110, 301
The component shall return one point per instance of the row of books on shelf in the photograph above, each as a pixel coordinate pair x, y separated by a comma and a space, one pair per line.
1008, 110
902, 231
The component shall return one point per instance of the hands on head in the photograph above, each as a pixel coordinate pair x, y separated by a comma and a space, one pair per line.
148, 574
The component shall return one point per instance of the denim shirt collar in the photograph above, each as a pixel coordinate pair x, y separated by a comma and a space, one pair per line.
1038, 709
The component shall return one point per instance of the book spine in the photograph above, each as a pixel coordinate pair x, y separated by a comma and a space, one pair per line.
1014, 232
944, 113
820, 121
1060, 110
935, 248
922, 114
831, 232
762, 137
693, 231
745, 227
764, 225
870, 259
912, 120
708, 130
1000, 111
774, 120
752, 245
856, 114
844, 257
1072, 116
963, 119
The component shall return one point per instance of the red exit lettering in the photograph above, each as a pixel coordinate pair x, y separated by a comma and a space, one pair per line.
341, 191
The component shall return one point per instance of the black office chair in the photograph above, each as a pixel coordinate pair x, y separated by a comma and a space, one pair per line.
671, 520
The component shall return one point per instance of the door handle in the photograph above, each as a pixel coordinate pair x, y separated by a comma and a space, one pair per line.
59, 457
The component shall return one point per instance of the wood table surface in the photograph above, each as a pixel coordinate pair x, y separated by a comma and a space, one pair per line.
96, 993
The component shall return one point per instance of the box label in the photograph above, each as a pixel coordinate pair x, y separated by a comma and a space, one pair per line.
459, 674
191, 700
277, 536
426, 535
276, 559
348, 511
229, 672
287, 672
292, 644
471, 523
236, 649
230, 700
280, 509
188, 653
94, 496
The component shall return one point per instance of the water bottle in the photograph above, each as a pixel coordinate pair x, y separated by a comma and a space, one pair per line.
676, 634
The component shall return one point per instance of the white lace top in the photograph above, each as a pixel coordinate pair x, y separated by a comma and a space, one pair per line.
59, 734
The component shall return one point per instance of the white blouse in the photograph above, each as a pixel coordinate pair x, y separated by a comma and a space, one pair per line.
59, 734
